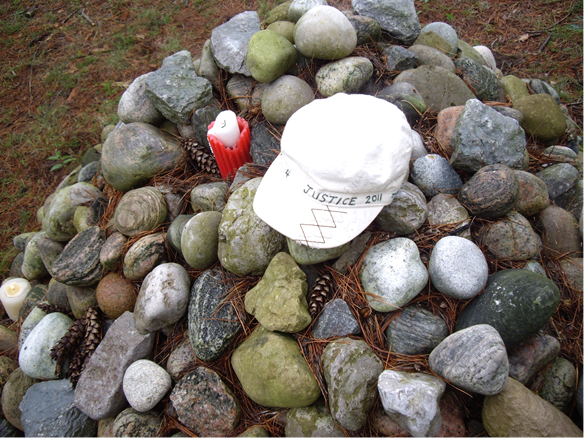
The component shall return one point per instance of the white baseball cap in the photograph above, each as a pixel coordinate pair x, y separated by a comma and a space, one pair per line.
342, 159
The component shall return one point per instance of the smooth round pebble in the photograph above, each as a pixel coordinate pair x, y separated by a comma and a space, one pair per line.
433, 174
458, 267
144, 384
284, 97
115, 295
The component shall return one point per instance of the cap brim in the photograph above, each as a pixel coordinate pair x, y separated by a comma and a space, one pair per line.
307, 221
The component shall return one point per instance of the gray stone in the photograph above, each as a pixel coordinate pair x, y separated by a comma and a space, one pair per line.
433, 174
560, 234
473, 359
58, 216
407, 212
445, 209
335, 320
533, 194
484, 82
140, 210
517, 411
12, 394
510, 238
201, 121
353, 253
130, 423
163, 298
399, 58
430, 56
346, 75
33, 267
89, 171
509, 112
136, 152
304, 255
48, 410
398, 18
246, 243
405, 97
31, 321
324, 32
78, 264
136, 106
80, 299
35, 356
204, 403
559, 178
200, 239
572, 269
176, 90
491, 192
529, 357
412, 400
516, 302
415, 330
392, 274
313, 420
278, 301
209, 197
175, 201
145, 383
21, 240
542, 117
174, 232
559, 384
180, 359
207, 67
49, 250
541, 87
212, 319
112, 251
229, 41
269, 56
351, 370
265, 146
439, 87
446, 33
144, 255
273, 357
284, 97
482, 136
99, 391
368, 29
299, 7
245, 91
514, 87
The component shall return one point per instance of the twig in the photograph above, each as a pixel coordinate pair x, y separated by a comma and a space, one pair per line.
69, 16
84, 15
547, 40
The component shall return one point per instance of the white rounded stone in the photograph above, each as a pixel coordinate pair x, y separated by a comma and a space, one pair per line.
144, 384
458, 268
393, 274
488, 56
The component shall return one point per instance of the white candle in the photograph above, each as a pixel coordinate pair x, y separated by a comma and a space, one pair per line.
226, 129
12, 294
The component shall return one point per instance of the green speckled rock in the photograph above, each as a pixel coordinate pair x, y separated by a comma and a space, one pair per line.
134, 153
246, 243
278, 301
269, 55
516, 302
313, 420
140, 210
273, 372
542, 117
351, 370
144, 255
131, 423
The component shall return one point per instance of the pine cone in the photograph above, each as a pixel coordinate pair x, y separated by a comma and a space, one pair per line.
92, 334
202, 159
320, 293
68, 345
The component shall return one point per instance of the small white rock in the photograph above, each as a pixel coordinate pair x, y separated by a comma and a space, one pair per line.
458, 268
145, 383
487, 55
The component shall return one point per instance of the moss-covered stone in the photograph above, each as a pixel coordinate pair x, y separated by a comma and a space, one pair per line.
278, 301
273, 372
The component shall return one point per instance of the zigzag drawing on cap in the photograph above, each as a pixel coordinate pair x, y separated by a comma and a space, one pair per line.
318, 225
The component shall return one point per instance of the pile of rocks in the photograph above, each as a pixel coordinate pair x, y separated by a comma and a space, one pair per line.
478, 222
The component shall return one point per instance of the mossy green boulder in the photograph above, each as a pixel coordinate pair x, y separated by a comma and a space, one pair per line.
269, 55
542, 117
273, 372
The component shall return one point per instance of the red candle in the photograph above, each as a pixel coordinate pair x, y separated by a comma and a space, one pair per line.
229, 159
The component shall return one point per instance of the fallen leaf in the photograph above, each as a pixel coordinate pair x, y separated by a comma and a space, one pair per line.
523, 37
